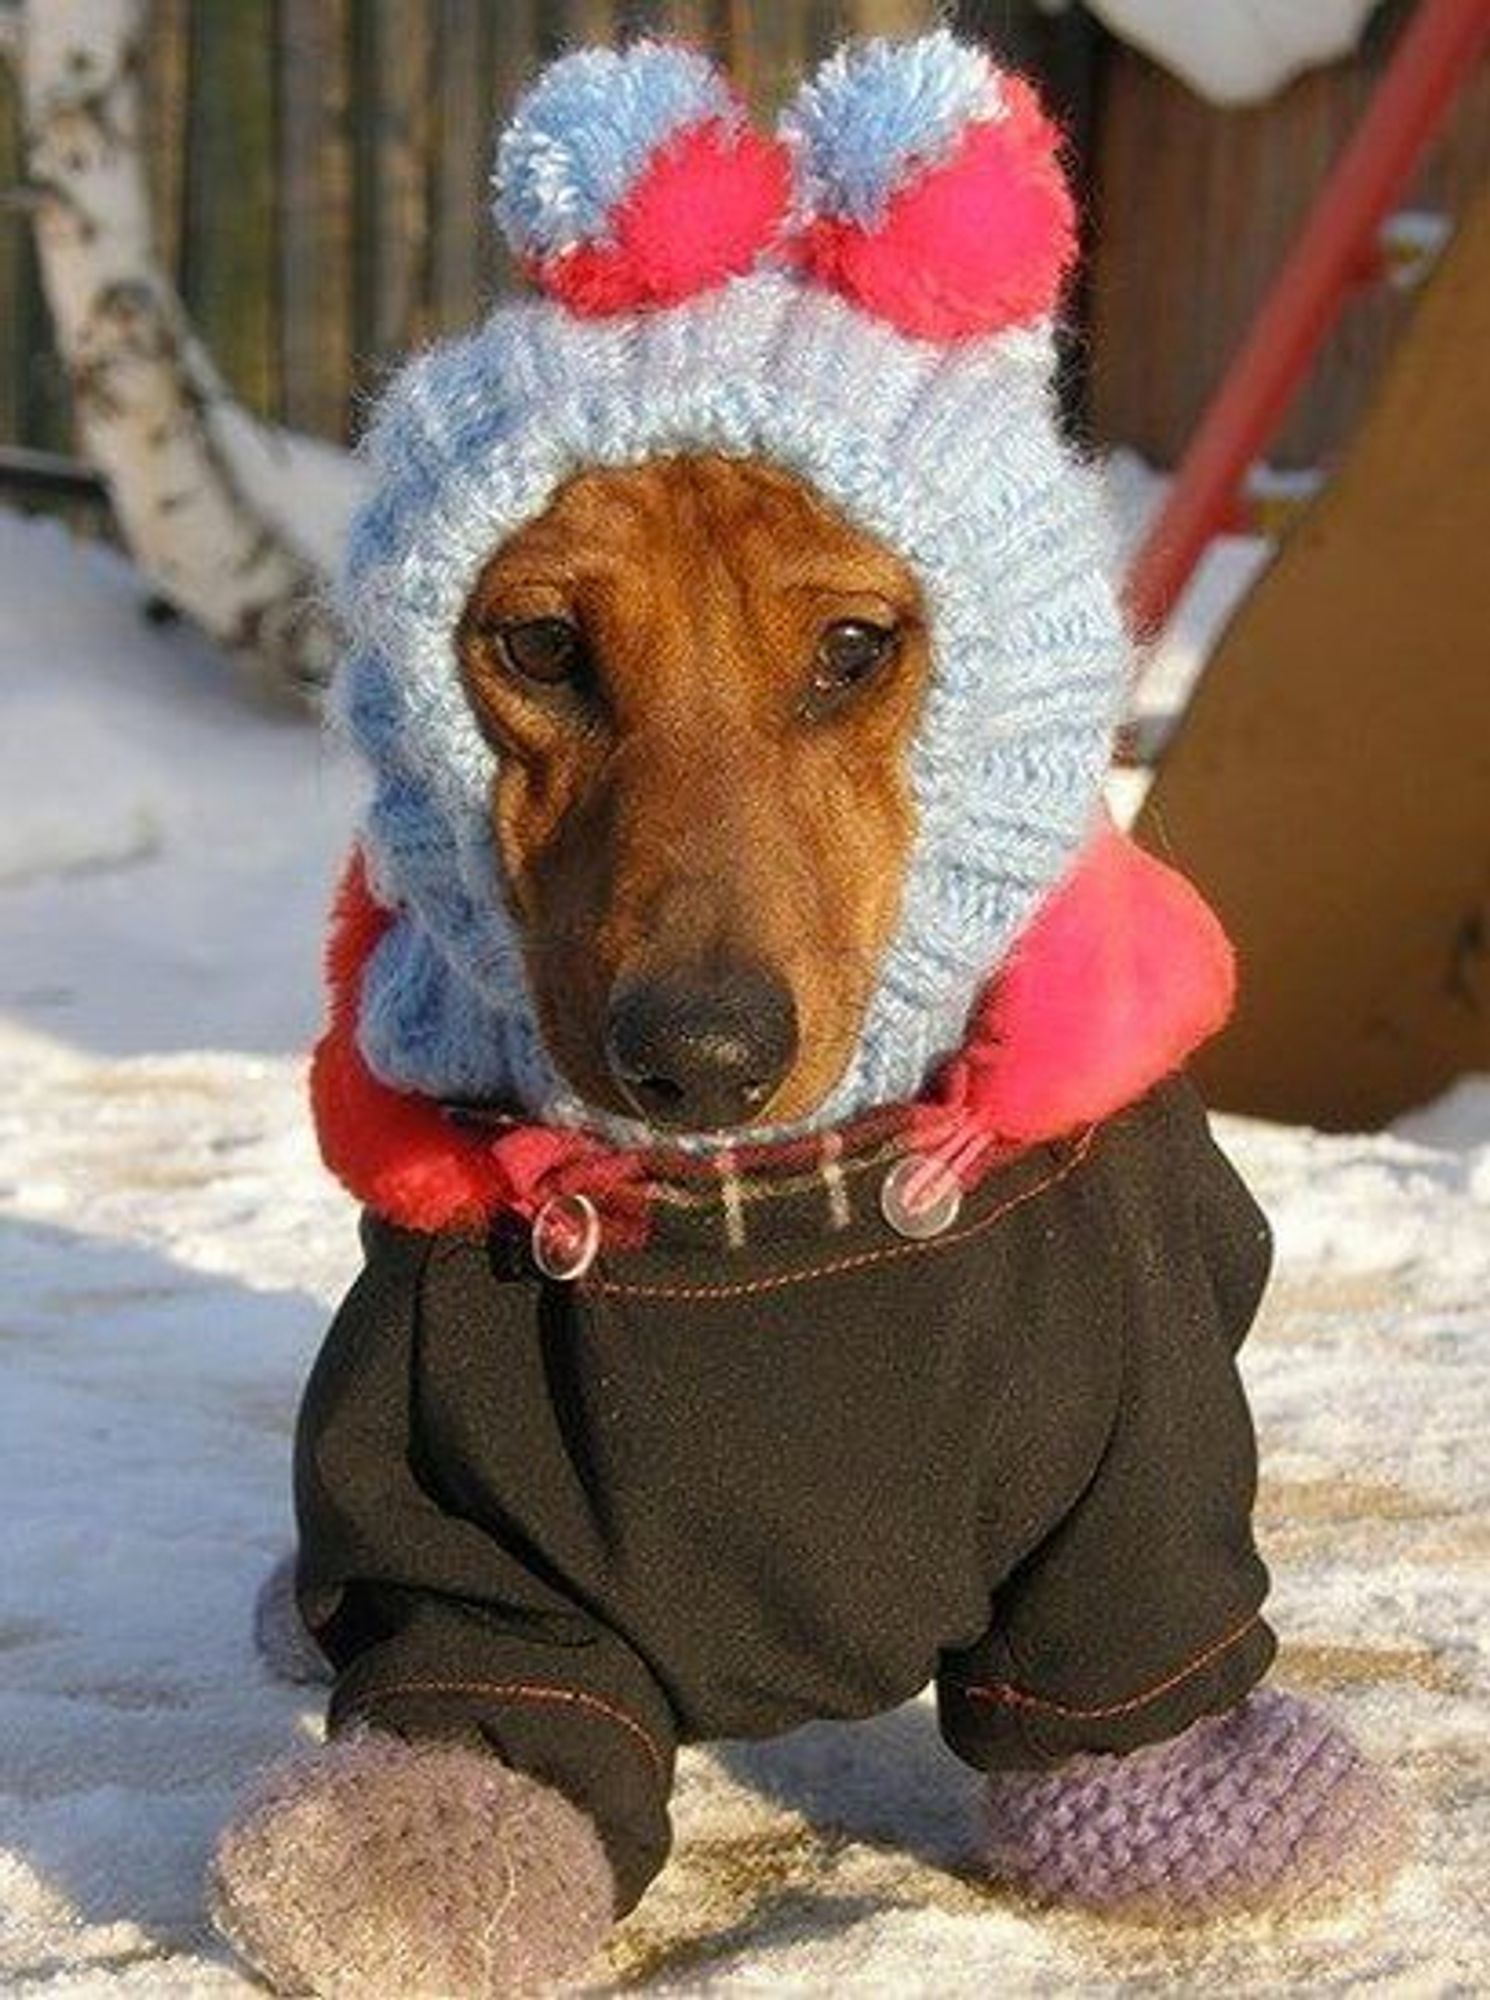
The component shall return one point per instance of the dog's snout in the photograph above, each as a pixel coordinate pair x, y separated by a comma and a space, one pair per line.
701, 1049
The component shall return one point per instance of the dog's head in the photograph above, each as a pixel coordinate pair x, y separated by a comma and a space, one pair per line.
735, 652
701, 683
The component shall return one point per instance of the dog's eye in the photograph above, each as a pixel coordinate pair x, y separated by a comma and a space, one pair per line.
848, 653
549, 651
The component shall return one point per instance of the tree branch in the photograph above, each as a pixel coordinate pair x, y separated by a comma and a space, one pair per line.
152, 412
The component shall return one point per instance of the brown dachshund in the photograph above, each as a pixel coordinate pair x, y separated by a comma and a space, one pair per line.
703, 682
610, 1451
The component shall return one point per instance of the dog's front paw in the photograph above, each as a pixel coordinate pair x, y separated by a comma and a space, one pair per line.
1270, 1808
378, 1867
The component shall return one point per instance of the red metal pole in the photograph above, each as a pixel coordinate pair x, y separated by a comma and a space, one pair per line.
1436, 52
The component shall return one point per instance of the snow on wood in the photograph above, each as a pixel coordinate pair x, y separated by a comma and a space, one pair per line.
1238, 51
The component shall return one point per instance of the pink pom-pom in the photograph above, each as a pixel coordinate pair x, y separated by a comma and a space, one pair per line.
703, 209
979, 243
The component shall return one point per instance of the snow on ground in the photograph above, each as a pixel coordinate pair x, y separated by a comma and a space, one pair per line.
158, 893
1231, 563
170, 1252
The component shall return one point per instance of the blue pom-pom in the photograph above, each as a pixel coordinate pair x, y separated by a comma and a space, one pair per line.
582, 136
877, 113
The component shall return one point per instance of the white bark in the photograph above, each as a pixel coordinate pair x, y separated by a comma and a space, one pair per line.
152, 413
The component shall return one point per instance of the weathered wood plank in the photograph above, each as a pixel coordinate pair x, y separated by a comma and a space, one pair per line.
1329, 787
167, 54
640, 17
393, 72
514, 37
1197, 208
314, 213
228, 262
890, 17
705, 22
578, 24
769, 49
461, 164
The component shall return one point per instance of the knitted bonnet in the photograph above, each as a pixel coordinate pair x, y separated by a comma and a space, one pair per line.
863, 298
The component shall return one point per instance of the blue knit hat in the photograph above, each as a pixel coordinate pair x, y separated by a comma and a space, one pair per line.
885, 336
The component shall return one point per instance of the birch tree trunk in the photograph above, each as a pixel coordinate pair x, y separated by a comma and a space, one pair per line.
152, 413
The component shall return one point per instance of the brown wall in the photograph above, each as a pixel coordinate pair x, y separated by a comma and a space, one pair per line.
1193, 209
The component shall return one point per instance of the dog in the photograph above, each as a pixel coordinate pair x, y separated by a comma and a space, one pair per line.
796, 1268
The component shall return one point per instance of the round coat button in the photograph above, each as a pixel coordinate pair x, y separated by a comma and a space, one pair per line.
919, 1197
566, 1237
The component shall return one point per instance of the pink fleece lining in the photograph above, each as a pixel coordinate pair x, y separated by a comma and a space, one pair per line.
1121, 976
401, 1154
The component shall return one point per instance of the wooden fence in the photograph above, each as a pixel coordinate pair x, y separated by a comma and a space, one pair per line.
319, 172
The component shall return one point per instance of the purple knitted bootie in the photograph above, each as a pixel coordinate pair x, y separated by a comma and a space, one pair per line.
372, 1867
1267, 1808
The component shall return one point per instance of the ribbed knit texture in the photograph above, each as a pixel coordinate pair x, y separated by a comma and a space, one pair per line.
949, 455
1269, 1808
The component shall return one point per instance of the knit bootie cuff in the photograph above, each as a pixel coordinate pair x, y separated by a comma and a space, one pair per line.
1269, 1807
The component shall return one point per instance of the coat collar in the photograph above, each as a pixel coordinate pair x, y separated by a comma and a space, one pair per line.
1123, 973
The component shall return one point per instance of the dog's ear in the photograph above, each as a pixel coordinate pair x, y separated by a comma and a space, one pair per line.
929, 188
631, 178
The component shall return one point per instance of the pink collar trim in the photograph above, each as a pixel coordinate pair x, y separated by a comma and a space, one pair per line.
1124, 972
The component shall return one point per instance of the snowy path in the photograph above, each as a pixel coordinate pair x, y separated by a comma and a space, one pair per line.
169, 1249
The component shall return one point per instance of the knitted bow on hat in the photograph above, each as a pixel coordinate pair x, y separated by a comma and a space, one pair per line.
913, 178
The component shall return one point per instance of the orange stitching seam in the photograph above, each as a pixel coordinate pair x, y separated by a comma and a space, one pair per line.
1009, 1696
536, 1691
744, 1288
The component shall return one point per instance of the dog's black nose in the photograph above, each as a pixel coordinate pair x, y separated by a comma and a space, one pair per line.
701, 1049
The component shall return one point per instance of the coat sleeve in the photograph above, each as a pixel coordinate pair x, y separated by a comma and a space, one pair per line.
1142, 1610
435, 1625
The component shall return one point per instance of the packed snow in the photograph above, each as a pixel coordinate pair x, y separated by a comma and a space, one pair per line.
172, 1249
